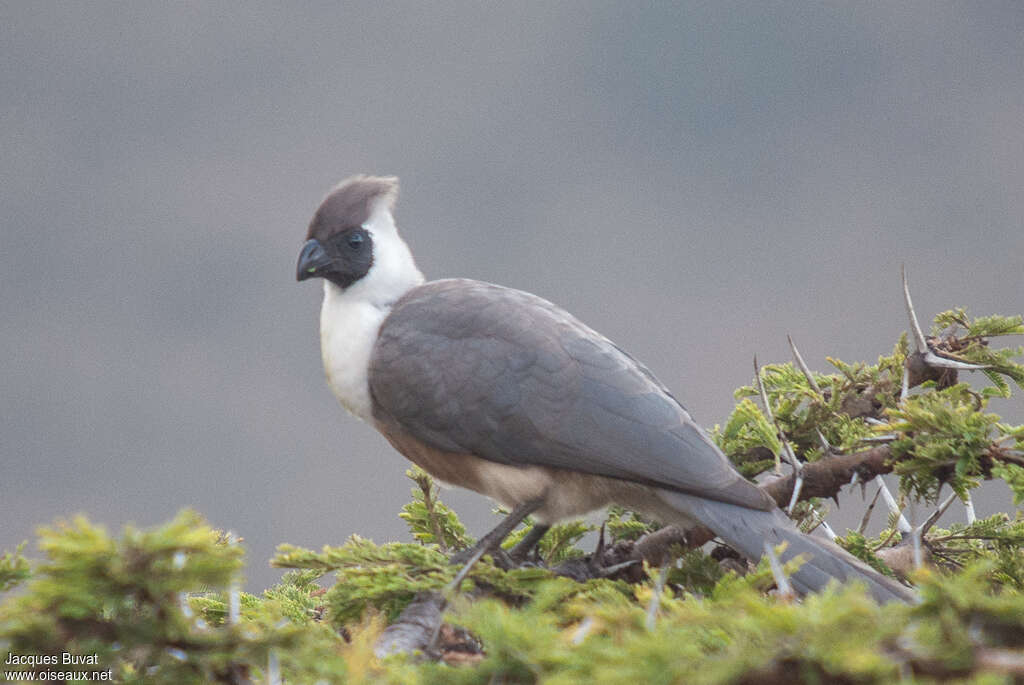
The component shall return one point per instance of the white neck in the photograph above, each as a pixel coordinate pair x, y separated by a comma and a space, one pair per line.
350, 319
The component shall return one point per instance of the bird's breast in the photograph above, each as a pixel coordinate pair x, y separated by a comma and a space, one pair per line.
348, 331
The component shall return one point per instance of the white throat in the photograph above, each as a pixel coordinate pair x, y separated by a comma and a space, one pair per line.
350, 319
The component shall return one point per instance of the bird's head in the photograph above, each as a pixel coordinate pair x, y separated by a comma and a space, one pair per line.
353, 243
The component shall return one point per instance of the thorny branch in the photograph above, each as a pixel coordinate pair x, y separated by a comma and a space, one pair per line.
934, 359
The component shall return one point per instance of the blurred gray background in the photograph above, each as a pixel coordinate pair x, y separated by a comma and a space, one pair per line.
694, 181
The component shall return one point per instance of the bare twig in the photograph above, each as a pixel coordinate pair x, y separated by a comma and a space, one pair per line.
416, 628
867, 514
937, 514
425, 483
1000, 660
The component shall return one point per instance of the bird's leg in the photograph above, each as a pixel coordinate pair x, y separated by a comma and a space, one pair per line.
492, 540
529, 542
487, 543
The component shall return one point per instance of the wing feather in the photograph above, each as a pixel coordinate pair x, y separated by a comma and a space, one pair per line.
466, 366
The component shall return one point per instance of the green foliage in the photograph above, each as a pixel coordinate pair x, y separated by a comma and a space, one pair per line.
839, 412
859, 546
133, 601
695, 572
997, 541
126, 600
968, 340
961, 615
944, 437
559, 543
1013, 476
385, 577
430, 520
627, 525
14, 568
749, 439
738, 635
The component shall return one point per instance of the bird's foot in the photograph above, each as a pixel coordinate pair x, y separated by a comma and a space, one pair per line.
505, 560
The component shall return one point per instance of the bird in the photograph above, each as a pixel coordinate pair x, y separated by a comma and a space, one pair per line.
501, 392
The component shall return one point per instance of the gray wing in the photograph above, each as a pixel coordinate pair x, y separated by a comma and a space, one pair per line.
466, 366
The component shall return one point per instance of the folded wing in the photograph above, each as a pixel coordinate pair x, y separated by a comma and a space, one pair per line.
466, 366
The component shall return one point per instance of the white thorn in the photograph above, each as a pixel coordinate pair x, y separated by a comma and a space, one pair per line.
919, 340
273, 668
234, 591
932, 359
652, 606
583, 630
886, 437
609, 571
901, 522
781, 581
186, 610
803, 366
234, 604
788, 451
905, 384
176, 653
969, 506
824, 442
915, 536
829, 533
760, 389
797, 486
767, 409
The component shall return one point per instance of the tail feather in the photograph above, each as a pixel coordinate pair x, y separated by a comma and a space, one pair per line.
748, 529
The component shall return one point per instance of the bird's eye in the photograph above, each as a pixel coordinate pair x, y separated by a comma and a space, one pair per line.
355, 241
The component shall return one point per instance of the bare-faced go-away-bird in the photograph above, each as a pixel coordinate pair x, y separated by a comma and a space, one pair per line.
504, 393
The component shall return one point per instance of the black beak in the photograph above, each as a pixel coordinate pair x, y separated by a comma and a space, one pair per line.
312, 260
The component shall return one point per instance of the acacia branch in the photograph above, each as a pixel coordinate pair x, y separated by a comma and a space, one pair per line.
826, 477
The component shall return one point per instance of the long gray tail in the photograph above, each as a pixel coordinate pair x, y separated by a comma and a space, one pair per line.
748, 529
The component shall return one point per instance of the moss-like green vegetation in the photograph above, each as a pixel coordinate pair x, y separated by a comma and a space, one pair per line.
163, 605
